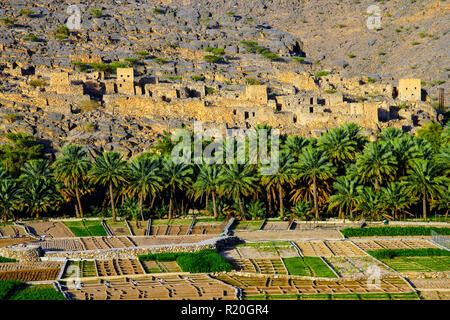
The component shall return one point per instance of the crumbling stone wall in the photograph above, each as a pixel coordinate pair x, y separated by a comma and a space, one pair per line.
125, 81
409, 89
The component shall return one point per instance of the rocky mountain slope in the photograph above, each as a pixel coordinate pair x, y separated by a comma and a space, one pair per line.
413, 40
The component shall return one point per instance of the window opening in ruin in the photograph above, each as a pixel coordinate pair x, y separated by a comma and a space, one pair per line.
311, 109
246, 115
294, 119
253, 114
234, 111
311, 101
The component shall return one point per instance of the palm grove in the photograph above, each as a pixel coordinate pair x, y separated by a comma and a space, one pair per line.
340, 174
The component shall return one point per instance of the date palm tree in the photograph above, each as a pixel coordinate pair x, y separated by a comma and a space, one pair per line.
294, 145
345, 195
208, 183
338, 146
175, 176
72, 168
423, 181
144, 179
9, 195
34, 170
313, 166
354, 133
370, 204
38, 197
109, 170
283, 177
238, 180
395, 198
443, 203
377, 164
443, 159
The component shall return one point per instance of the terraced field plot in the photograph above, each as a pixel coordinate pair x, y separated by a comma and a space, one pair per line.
435, 295
178, 287
118, 228
260, 285
393, 244
263, 266
435, 284
176, 230
30, 275
207, 228
419, 264
23, 266
308, 266
351, 267
342, 296
49, 229
159, 240
62, 245
118, 267
255, 250
277, 235
95, 243
11, 231
80, 269
138, 228
247, 225
329, 248
276, 226
160, 266
86, 228
4, 242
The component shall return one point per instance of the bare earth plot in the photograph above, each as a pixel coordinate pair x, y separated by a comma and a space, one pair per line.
160, 266
118, 228
138, 228
95, 243
288, 234
159, 240
10, 241
263, 250
393, 244
118, 267
276, 226
329, 248
16, 266
355, 267
208, 228
259, 285
433, 289
193, 286
73, 244
12, 231
263, 266
49, 229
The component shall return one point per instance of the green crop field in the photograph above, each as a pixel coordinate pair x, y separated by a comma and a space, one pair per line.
419, 264
308, 266
86, 228
15, 290
86, 269
206, 260
3, 260
393, 231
